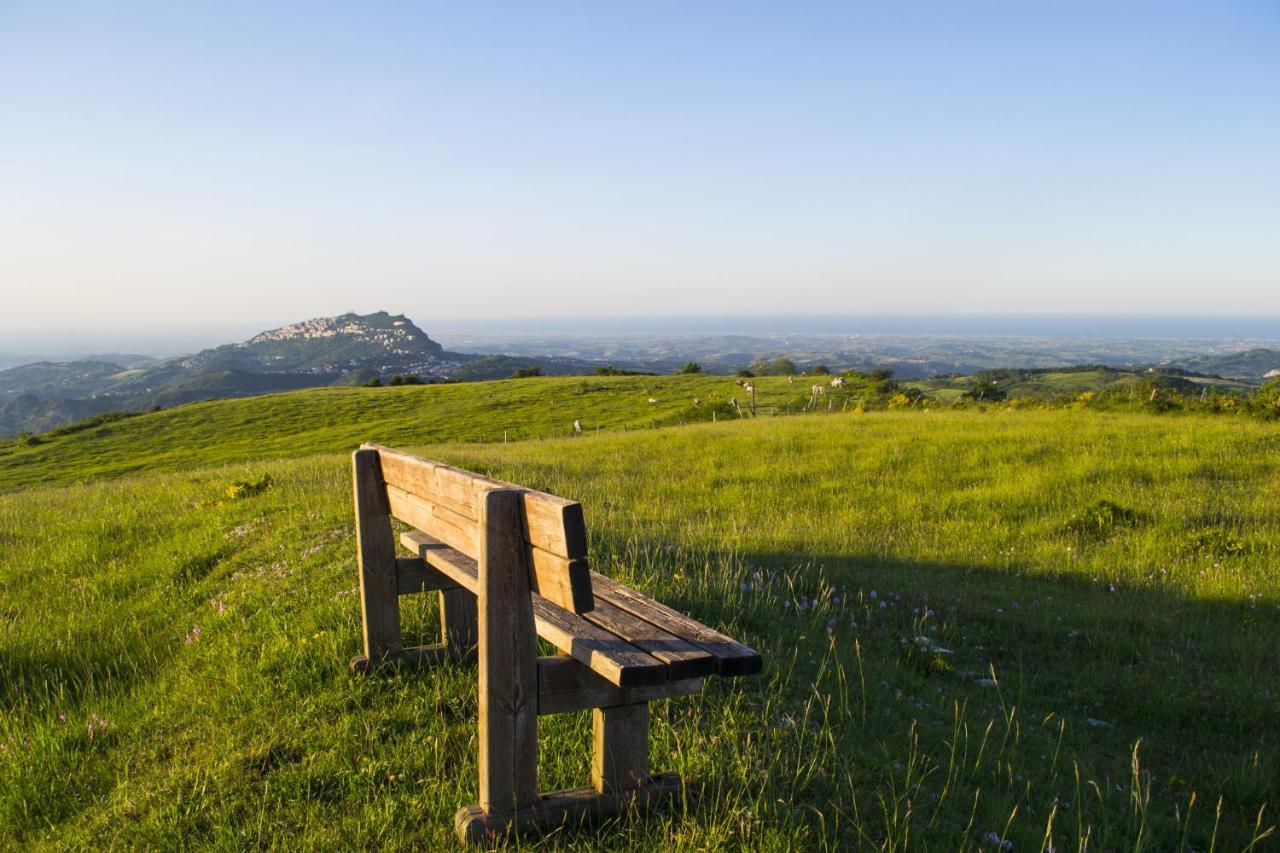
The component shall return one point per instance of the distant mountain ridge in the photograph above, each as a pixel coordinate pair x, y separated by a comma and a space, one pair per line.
343, 350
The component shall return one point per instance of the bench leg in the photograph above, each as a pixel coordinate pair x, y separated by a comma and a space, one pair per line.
619, 747
459, 630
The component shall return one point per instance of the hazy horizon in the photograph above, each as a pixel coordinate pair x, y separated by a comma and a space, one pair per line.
171, 165
161, 341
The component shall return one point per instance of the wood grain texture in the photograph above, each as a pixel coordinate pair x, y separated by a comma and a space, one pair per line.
459, 620
508, 660
565, 684
607, 654
376, 555
563, 808
435, 520
732, 657
414, 575
683, 659
553, 523
619, 748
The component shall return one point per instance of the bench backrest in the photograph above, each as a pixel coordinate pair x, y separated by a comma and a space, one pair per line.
444, 502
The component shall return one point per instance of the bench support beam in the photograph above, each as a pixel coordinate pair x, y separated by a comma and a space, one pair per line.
563, 808
620, 748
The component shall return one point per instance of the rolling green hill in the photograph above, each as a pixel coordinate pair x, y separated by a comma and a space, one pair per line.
1250, 364
991, 622
334, 419
1059, 383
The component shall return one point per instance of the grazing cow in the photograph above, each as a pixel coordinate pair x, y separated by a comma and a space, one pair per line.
837, 382
577, 426
697, 401
749, 388
651, 400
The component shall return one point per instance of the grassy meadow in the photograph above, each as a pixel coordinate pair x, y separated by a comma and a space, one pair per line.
336, 419
1047, 629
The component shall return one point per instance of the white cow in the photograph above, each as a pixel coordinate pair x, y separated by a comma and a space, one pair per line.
837, 382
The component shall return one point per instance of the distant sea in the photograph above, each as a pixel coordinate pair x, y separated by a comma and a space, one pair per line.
1028, 325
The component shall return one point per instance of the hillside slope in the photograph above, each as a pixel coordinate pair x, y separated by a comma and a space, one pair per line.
333, 419
958, 641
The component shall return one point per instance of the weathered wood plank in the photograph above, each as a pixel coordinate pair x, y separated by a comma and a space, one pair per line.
508, 661
459, 621
619, 662
435, 520
414, 575
565, 684
733, 657
553, 523
562, 581
563, 808
619, 747
376, 554
683, 659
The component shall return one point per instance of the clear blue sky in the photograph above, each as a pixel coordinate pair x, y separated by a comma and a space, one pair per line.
234, 162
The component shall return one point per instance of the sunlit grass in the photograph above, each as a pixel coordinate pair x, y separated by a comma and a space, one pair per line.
951, 661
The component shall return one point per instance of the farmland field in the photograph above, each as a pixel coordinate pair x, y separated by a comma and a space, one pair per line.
1053, 628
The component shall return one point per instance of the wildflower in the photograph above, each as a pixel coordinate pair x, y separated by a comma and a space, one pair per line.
193, 636
95, 725
883, 605
873, 595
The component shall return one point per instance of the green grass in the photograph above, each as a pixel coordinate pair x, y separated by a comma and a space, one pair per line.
334, 419
1111, 683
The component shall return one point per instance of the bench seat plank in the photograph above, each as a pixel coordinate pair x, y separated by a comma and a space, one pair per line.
733, 658
607, 654
683, 659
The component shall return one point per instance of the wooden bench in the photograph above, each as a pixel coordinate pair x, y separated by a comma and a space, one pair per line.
510, 565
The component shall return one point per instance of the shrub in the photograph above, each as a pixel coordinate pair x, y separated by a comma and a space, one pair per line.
985, 392
900, 401
526, 372
375, 382
1265, 403
879, 374
242, 489
1214, 542
610, 370
1102, 518
745, 374
774, 367
821, 370
690, 367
